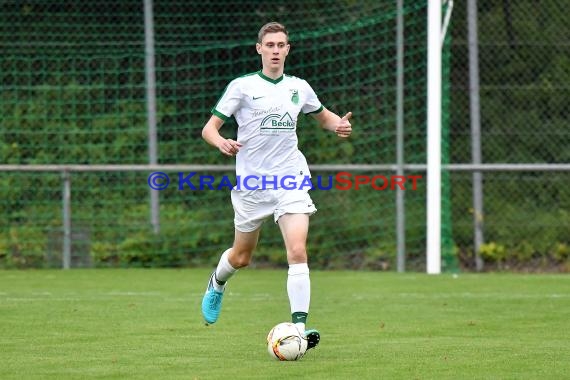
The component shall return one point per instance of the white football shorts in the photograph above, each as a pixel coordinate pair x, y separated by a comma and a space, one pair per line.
252, 207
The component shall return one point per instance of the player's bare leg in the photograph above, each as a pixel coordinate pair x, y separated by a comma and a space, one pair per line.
243, 247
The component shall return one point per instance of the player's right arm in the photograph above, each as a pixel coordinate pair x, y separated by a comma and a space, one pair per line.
211, 133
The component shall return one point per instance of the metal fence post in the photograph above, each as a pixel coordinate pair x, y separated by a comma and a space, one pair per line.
151, 107
475, 110
400, 201
66, 197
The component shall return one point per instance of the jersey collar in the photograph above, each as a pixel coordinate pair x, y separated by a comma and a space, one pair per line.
274, 81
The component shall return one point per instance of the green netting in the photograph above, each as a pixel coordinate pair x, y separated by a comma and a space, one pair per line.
74, 92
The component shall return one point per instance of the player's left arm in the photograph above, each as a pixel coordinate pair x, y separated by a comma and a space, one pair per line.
334, 123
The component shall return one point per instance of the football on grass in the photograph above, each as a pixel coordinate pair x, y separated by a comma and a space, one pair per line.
286, 342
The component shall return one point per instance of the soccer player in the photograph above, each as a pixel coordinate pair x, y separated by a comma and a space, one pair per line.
266, 105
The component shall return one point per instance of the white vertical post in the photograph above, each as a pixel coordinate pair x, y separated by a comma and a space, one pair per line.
151, 107
434, 137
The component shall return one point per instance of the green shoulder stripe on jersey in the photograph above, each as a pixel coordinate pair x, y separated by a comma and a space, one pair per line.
274, 81
317, 111
219, 114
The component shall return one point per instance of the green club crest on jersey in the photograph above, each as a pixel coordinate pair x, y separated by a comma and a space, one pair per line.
295, 96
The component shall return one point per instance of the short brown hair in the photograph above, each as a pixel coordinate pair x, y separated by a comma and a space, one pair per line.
271, 27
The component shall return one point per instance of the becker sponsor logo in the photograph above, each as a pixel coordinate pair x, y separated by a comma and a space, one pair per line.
277, 123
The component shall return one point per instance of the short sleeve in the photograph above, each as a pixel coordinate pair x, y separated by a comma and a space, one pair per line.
229, 101
312, 103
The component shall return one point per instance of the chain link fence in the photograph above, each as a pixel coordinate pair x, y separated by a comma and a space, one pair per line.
524, 86
74, 92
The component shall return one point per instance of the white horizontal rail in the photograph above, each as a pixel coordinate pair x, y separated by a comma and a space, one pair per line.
333, 167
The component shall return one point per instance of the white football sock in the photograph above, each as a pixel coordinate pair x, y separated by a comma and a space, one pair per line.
299, 287
224, 271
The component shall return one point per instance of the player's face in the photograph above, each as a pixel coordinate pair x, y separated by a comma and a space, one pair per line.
273, 50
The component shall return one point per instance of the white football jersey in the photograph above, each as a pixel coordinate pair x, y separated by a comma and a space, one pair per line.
266, 112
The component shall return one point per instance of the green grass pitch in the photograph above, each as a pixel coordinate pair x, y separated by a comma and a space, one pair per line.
146, 324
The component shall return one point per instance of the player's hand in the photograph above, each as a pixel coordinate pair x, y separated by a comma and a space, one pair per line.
229, 147
344, 129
